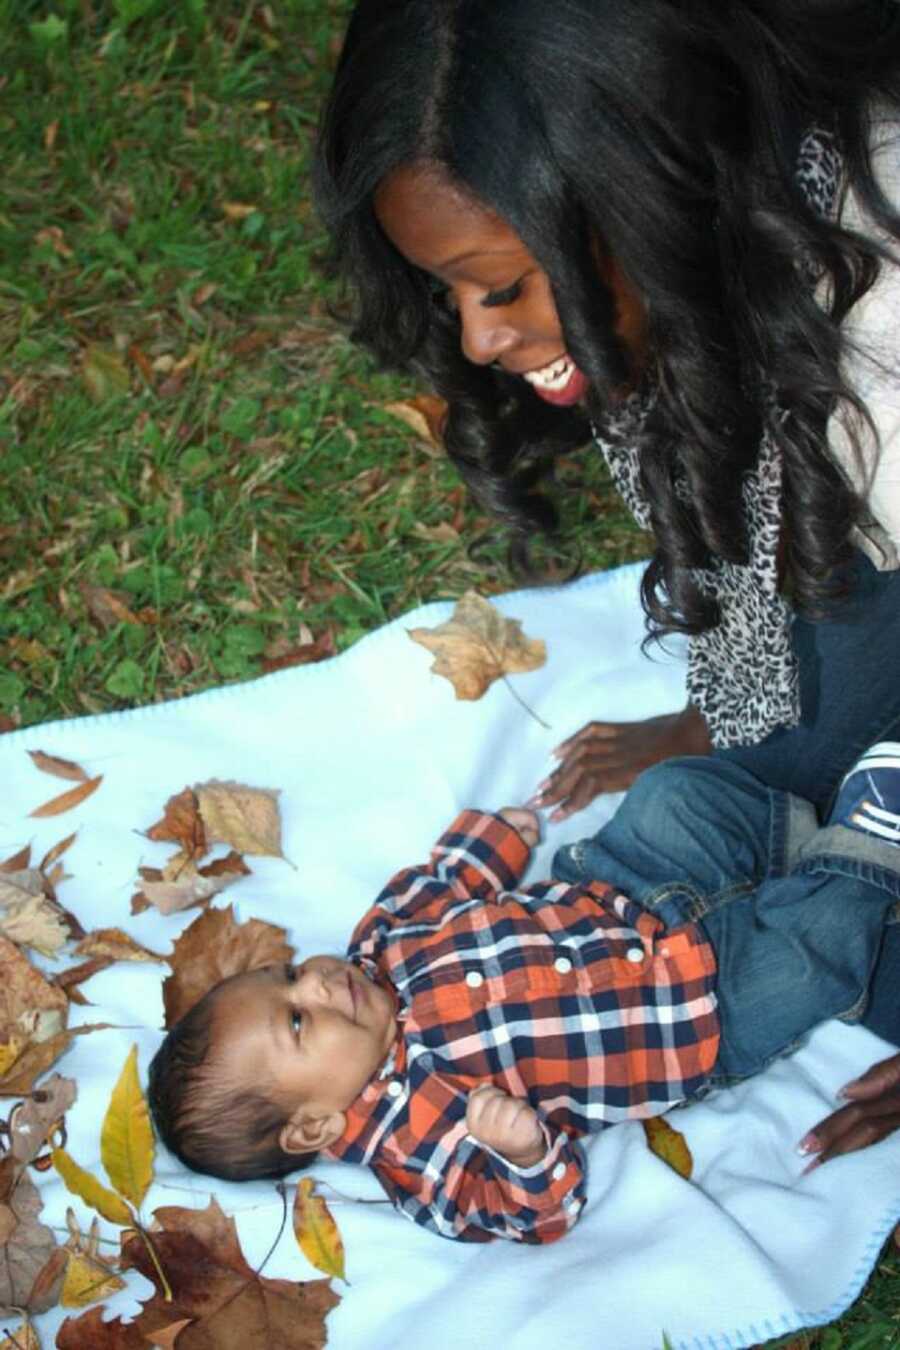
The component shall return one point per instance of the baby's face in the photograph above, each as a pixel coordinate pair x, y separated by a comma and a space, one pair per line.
314, 1033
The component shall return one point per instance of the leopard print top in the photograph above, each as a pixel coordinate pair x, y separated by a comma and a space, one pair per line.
742, 674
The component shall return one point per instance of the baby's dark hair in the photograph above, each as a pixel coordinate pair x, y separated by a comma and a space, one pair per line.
200, 1117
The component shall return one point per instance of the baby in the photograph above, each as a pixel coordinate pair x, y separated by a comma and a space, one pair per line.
478, 1029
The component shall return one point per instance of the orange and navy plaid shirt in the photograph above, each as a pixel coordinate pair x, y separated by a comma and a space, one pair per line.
573, 997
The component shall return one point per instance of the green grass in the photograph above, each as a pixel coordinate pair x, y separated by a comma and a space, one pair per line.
199, 473
181, 421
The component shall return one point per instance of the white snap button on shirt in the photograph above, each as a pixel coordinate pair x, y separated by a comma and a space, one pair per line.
634, 955
562, 964
474, 979
394, 1088
559, 1171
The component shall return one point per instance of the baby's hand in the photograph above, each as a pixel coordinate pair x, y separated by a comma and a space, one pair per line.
506, 1124
525, 821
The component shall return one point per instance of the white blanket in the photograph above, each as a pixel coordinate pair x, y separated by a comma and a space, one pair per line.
374, 756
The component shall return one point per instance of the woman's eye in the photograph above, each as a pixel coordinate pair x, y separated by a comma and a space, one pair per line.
494, 299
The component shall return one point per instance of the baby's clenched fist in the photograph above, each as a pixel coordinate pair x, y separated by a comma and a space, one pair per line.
506, 1124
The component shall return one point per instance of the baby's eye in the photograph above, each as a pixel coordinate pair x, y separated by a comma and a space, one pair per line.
296, 1019
494, 299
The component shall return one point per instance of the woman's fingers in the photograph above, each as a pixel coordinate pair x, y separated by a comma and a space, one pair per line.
871, 1116
608, 756
882, 1077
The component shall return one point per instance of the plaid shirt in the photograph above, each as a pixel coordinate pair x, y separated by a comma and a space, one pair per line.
573, 997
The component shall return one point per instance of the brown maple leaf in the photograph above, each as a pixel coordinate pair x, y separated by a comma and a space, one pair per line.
219, 1297
478, 645
213, 948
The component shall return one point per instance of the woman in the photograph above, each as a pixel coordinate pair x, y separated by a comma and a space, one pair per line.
667, 227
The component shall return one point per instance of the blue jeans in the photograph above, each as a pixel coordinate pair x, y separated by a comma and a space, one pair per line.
795, 912
850, 698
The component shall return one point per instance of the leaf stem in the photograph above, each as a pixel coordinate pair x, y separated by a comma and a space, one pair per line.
522, 702
151, 1252
282, 1191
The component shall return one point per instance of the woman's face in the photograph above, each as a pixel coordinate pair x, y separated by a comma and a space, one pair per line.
506, 308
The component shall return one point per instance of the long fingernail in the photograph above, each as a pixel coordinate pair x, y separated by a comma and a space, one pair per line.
811, 1167
809, 1144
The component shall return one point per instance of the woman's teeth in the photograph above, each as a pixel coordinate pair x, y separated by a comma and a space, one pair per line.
553, 377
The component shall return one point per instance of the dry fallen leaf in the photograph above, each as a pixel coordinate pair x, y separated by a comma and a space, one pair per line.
28, 916
89, 1276
33, 1018
56, 852
126, 1139
18, 862
67, 800
33, 1120
32, 1011
233, 1308
30, 1270
669, 1145
181, 824
316, 1232
426, 415
23, 1337
115, 945
213, 948
478, 645
61, 768
245, 818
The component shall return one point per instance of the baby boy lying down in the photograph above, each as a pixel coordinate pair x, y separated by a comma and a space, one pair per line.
477, 1029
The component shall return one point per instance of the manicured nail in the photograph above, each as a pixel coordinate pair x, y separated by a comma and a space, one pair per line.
809, 1144
811, 1167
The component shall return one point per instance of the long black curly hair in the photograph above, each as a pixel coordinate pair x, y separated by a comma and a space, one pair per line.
667, 132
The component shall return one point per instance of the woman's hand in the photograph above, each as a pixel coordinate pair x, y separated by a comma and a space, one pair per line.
872, 1113
608, 756
506, 1124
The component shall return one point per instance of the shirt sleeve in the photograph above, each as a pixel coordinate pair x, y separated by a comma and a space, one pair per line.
469, 1193
477, 858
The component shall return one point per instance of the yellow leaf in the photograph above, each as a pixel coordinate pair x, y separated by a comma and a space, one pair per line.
87, 1281
126, 1140
477, 645
90, 1190
316, 1231
669, 1145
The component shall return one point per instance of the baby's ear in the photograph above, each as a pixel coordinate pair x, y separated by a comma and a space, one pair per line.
307, 1132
